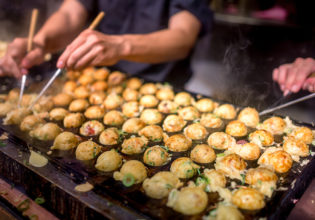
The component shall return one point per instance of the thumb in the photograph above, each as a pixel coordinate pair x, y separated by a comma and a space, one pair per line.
33, 58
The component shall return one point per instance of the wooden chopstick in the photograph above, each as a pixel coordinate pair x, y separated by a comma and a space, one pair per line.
32, 29
97, 20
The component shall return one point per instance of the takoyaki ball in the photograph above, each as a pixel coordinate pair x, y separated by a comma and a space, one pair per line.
13, 95
73, 120
161, 184
148, 89
44, 104
133, 125
216, 179
296, 148
248, 199
183, 99
94, 112
97, 98
173, 123
221, 140
236, 129
6, 107
87, 150
303, 133
178, 143
202, 153
155, 156
275, 125
149, 101
205, 105
81, 92
225, 111
91, 128
30, 122
165, 93
134, 145
188, 201
109, 136
196, 131
65, 141
116, 78
261, 138
211, 120
99, 86
88, 71
277, 159
248, 151
130, 95
232, 165
27, 99
16, 116
249, 116
115, 89
151, 116
113, 101
113, 118
168, 107
131, 109
152, 132
78, 105
46, 132
73, 75
131, 172
230, 212
189, 113
100, 74
134, 83
109, 161
69, 87
85, 80
62, 99
184, 167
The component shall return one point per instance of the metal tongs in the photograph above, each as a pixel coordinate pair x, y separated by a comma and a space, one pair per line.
93, 25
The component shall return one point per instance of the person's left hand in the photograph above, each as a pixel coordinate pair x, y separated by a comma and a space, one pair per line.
309, 84
92, 48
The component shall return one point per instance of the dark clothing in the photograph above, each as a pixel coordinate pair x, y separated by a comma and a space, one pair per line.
146, 16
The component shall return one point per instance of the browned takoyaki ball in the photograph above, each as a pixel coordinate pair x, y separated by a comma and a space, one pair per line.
88, 71
131, 109
87, 150
113, 101
116, 78
221, 140
134, 83
130, 95
6, 107
44, 104
202, 153
152, 132
101, 74
296, 148
174, 123
232, 165
13, 95
62, 99
167, 107
205, 105
261, 137
184, 167
73, 75
73, 120
304, 134
58, 114
16, 116
183, 99
248, 199
248, 151
85, 80
134, 145
148, 89
113, 118
46, 132
151, 116
132, 169
225, 111
115, 89
91, 128
109, 136
165, 93
109, 161
236, 128
149, 101
275, 125
99, 86
65, 141
277, 159
189, 113
155, 156
196, 131
133, 125
97, 98
94, 112
178, 143
210, 120
249, 116
69, 87
30, 122
78, 105
81, 92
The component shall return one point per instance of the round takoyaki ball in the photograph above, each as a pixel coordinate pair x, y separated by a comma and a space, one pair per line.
165, 93
113, 118
115, 89
87, 150
152, 132
261, 137
69, 87
248, 151
130, 95
134, 83
81, 92
13, 95
65, 141
44, 104
131, 109
216, 179
30, 122
155, 156
225, 211
189, 113
196, 131
248, 199
183, 99
131, 170
202, 153
249, 116
205, 105
236, 128
231, 165
78, 105
134, 145
133, 125
116, 78
46, 132
184, 167
85, 80
94, 112
277, 159
27, 99
173, 123
73, 120
109, 136
275, 125
221, 140
113, 101
109, 161
6, 107
168, 107
99, 86
151, 116
225, 111
91, 128
188, 201
149, 101
303, 133
97, 98
296, 148
148, 89
101, 74
73, 75
178, 143
211, 120
62, 99
160, 185
16, 116
88, 71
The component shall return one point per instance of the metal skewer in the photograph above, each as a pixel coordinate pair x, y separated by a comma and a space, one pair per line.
23, 80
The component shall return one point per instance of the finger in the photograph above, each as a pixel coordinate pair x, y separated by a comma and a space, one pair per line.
275, 74
291, 76
310, 84
33, 58
301, 76
10, 67
283, 71
86, 60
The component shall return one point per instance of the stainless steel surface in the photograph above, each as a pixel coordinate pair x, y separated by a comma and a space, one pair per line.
23, 80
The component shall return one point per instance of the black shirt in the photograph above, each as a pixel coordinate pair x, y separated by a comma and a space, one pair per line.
146, 16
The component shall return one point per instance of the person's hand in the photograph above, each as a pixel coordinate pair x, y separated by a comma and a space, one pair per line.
17, 61
92, 48
294, 76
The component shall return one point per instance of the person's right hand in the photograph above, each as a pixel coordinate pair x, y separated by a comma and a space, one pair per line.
17, 61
